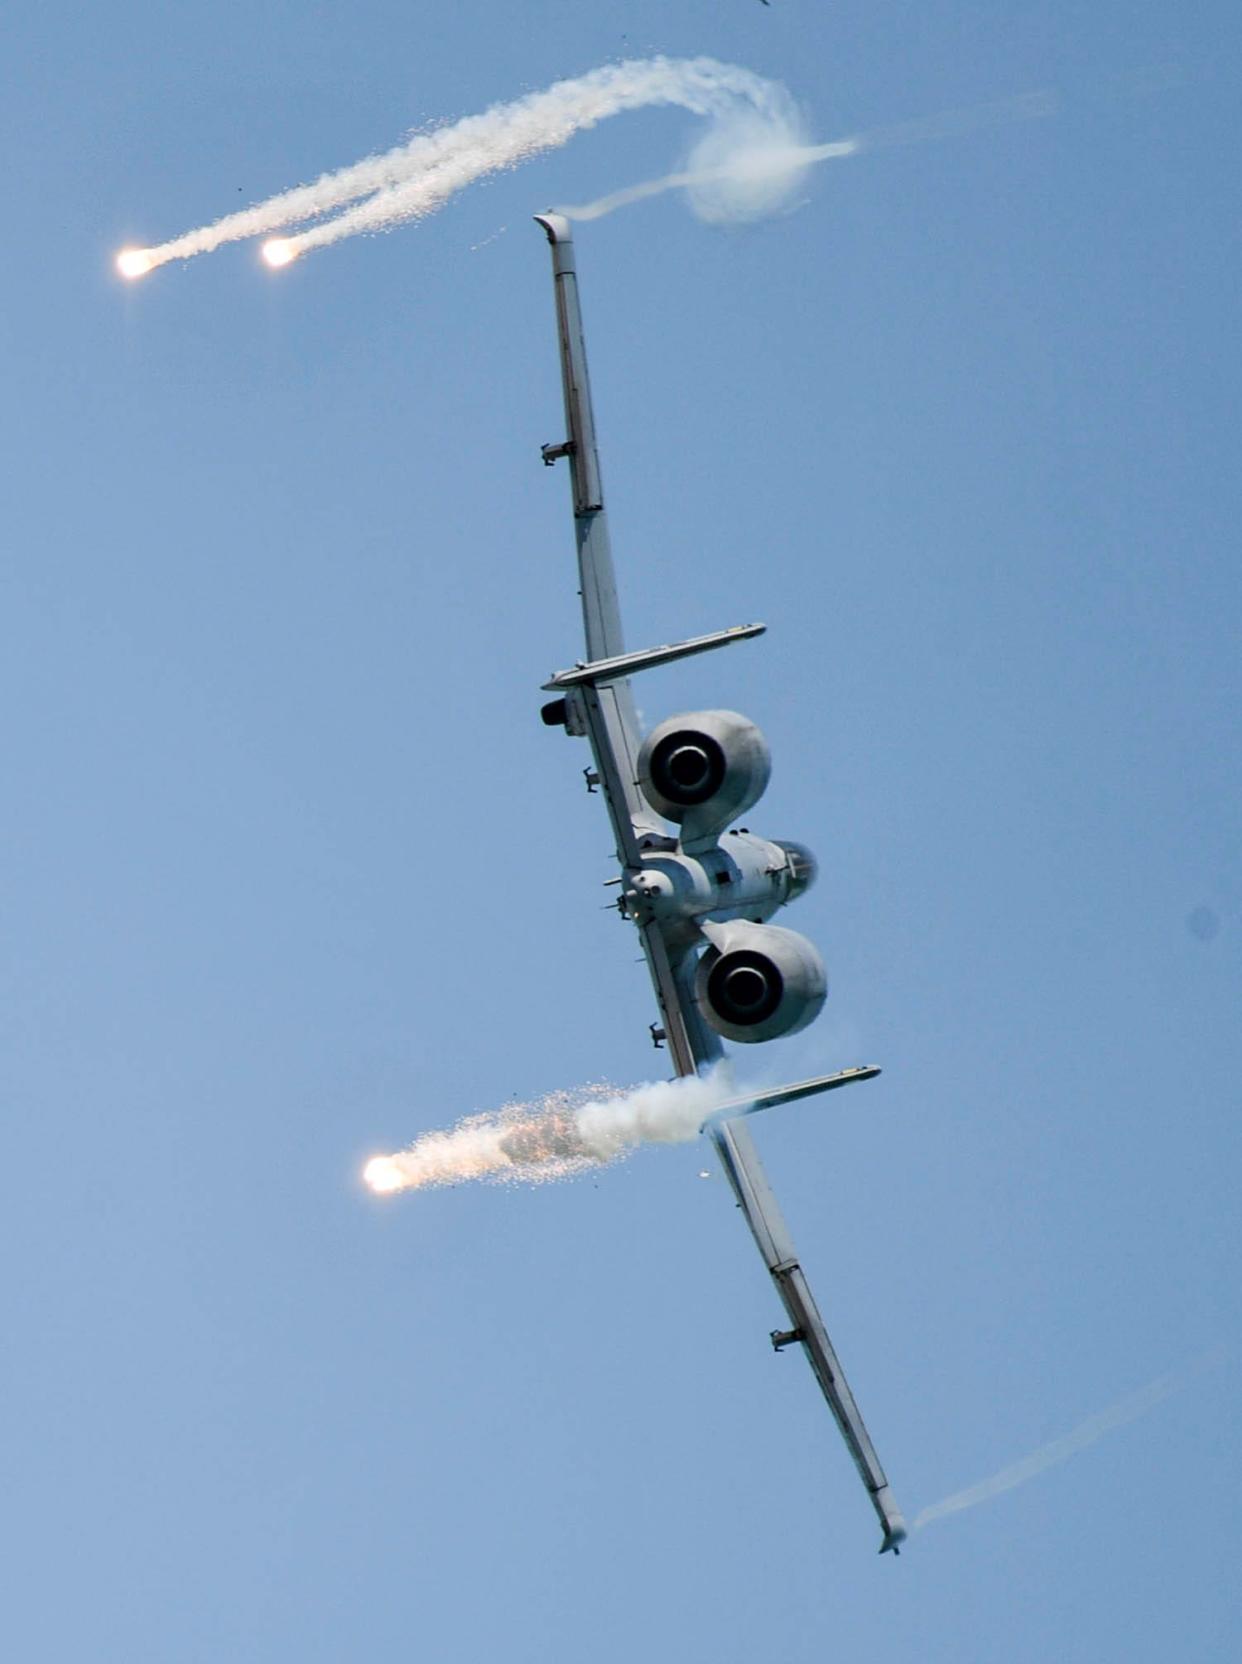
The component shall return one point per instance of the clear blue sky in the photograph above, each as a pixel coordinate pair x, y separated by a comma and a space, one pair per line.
291, 872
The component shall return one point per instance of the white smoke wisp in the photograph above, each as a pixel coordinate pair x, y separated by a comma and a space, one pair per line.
729, 181
417, 177
1060, 1450
742, 169
556, 1137
745, 169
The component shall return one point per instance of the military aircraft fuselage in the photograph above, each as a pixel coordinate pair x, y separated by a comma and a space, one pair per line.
742, 877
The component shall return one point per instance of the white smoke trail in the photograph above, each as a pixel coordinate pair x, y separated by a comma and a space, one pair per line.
741, 170
417, 177
742, 186
561, 1134
1060, 1450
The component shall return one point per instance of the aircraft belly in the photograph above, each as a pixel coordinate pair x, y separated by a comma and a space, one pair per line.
672, 890
744, 878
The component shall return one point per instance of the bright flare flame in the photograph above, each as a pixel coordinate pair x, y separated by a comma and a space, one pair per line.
279, 251
134, 262
383, 1175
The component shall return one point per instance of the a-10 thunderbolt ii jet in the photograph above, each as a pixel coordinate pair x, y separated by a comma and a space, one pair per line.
700, 900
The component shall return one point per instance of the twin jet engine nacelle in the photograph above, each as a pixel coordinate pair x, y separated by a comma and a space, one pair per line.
759, 981
755, 981
702, 771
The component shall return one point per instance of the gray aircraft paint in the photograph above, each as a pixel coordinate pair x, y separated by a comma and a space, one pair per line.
599, 704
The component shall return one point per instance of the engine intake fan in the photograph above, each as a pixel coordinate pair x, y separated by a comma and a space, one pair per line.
702, 770
759, 981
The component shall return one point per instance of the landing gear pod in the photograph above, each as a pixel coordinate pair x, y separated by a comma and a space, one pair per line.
759, 981
702, 771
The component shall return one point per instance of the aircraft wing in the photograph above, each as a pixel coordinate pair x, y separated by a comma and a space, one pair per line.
604, 707
744, 1170
596, 700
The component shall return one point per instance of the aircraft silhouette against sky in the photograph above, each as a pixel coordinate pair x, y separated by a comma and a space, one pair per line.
701, 899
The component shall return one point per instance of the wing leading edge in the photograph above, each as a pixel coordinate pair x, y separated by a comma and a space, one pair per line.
598, 702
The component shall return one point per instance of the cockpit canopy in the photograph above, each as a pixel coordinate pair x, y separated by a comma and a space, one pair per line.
802, 864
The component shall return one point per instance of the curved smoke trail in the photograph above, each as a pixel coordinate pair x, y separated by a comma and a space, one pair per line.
718, 190
416, 178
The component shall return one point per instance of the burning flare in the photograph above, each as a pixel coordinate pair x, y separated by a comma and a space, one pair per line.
383, 1175
134, 262
560, 1134
279, 251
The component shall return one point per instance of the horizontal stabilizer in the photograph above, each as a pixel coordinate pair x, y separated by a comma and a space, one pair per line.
770, 1099
626, 664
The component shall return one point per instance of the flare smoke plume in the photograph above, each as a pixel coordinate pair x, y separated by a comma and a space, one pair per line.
749, 163
559, 1135
416, 178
